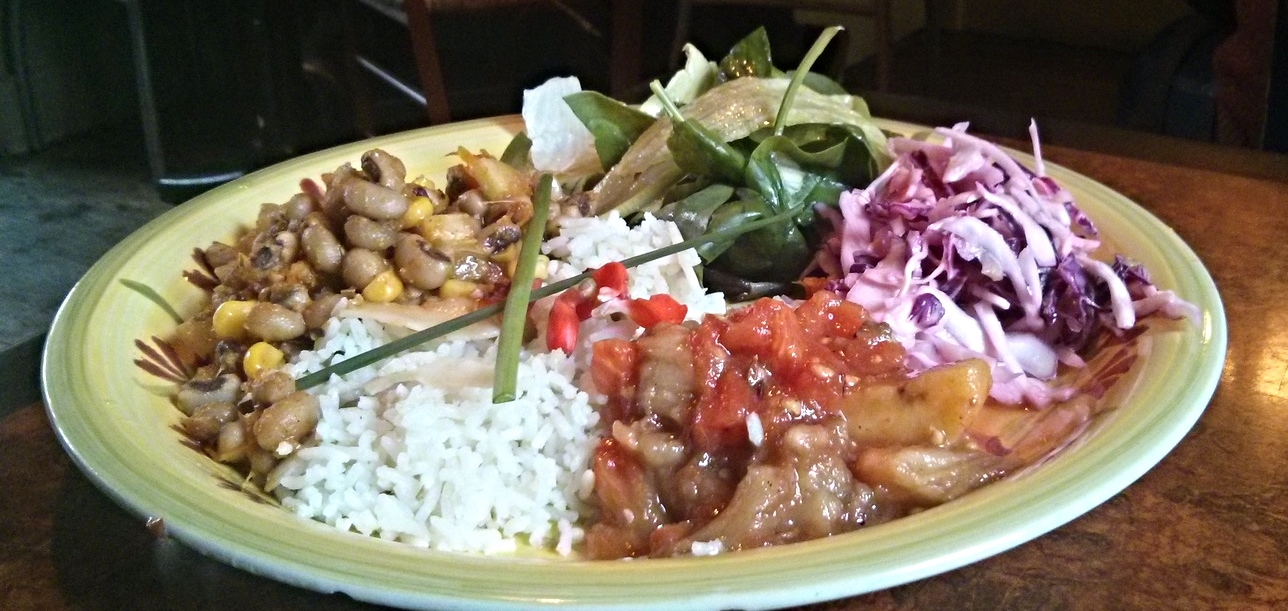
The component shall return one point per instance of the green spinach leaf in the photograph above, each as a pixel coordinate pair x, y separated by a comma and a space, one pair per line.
748, 57
614, 125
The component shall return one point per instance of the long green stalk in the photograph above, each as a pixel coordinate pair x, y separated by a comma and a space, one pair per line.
515, 315
807, 62
407, 342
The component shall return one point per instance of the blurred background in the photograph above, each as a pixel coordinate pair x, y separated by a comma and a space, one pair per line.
113, 111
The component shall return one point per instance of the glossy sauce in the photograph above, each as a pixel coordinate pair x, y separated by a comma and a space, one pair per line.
729, 434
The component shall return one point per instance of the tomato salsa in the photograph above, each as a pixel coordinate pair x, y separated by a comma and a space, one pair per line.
711, 421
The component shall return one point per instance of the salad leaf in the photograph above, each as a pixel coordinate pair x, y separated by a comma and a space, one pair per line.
776, 253
719, 138
763, 173
732, 110
696, 149
821, 83
748, 57
698, 75
740, 289
614, 125
518, 153
774, 179
839, 152
789, 97
692, 214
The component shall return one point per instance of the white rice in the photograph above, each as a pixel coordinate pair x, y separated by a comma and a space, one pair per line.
440, 465
589, 242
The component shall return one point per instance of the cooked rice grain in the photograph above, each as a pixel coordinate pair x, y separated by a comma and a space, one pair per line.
447, 468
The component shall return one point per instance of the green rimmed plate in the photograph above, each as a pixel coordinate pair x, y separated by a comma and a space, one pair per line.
118, 426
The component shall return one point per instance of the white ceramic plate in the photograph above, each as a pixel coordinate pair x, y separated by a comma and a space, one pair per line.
118, 427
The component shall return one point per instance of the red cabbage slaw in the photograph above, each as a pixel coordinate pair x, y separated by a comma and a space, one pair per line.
965, 253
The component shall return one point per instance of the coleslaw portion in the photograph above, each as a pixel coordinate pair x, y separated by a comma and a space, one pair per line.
965, 253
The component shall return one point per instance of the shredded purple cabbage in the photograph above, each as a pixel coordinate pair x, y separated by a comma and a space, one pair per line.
965, 253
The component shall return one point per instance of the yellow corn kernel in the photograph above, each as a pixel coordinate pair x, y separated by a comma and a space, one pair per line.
541, 272
457, 288
508, 259
384, 288
261, 357
230, 319
511, 253
419, 210
510, 265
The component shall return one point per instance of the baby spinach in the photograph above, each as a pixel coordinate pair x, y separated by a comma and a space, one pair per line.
749, 57
779, 168
614, 125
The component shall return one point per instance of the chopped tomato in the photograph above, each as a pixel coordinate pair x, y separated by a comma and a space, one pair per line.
789, 365
749, 330
720, 420
769, 331
870, 352
791, 346
826, 314
662, 542
614, 369
813, 284
609, 284
805, 354
619, 482
709, 354
614, 364
629, 509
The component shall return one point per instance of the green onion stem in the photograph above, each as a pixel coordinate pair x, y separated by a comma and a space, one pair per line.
514, 318
811, 56
407, 342
668, 105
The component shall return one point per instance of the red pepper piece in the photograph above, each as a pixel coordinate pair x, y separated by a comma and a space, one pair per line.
609, 284
563, 323
611, 276
656, 309
586, 301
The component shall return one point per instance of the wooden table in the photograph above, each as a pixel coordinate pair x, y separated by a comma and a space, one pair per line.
1206, 529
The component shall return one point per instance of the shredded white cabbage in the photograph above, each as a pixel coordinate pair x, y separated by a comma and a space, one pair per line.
560, 142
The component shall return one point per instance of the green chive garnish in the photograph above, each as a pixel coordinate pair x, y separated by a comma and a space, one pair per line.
807, 62
407, 342
515, 316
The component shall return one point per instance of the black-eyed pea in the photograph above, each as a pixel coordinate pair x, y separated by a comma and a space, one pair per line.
198, 392
362, 232
299, 206
375, 201
421, 265
206, 421
360, 266
274, 323
282, 425
230, 445
383, 168
261, 461
318, 311
321, 248
271, 387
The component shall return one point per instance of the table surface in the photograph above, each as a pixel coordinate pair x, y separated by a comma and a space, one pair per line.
1205, 529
